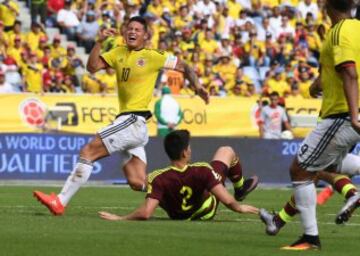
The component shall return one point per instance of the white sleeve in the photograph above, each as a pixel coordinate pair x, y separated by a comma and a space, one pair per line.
60, 16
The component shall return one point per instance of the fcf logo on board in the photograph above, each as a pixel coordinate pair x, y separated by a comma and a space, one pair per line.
32, 112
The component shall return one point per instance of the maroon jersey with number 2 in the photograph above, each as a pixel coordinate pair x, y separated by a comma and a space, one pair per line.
181, 192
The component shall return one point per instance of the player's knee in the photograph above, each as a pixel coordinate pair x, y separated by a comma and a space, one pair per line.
227, 150
136, 184
86, 151
93, 151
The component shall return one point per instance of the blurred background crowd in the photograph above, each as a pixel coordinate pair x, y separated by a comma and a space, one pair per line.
244, 48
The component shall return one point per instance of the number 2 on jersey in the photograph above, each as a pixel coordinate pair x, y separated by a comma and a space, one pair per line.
186, 192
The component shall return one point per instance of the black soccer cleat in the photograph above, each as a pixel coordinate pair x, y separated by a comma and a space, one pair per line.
248, 186
350, 206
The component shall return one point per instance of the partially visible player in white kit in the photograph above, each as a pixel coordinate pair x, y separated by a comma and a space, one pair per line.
272, 117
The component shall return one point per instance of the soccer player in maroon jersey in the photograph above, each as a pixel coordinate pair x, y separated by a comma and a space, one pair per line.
192, 191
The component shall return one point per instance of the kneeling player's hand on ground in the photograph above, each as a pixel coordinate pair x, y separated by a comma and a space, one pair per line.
109, 216
244, 208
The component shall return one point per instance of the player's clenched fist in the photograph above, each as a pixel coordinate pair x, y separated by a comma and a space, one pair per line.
105, 33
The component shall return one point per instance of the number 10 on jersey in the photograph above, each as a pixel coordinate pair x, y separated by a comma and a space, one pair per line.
125, 74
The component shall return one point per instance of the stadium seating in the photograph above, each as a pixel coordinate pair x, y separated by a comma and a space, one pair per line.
170, 26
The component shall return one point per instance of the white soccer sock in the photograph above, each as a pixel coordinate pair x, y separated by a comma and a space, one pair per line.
305, 199
78, 176
350, 165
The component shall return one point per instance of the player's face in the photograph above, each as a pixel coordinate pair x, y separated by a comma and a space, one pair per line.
274, 100
135, 35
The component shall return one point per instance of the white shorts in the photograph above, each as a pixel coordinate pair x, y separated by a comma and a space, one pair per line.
327, 144
128, 135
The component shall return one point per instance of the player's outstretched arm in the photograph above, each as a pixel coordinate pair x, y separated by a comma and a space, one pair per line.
220, 192
95, 62
144, 212
191, 76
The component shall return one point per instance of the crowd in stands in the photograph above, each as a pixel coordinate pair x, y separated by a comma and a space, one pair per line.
241, 48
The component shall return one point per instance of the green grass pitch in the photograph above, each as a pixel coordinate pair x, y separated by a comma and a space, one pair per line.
27, 228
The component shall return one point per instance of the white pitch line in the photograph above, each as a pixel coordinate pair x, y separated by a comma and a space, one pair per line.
328, 214
333, 214
121, 208
76, 207
130, 208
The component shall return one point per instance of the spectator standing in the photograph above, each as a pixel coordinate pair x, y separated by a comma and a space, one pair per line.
167, 112
183, 19
5, 87
33, 74
108, 80
304, 84
12, 75
264, 30
254, 51
87, 31
90, 84
53, 7
234, 8
33, 37
204, 9
38, 8
225, 47
285, 28
308, 6
67, 20
275, 18
15, 50
57, 50
9, 11
243, 19
276, 83
209, 45
226, 70
73, 65
16, 31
